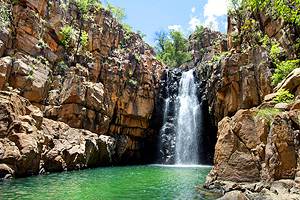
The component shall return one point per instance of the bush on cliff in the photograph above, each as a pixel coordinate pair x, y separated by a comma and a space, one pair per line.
284, 96
283, 69
172, 48
117, 12
267, 113
85, 5
4, 14
67, 33
287, 9
84, 39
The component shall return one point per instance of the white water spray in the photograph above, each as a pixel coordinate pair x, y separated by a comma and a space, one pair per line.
188, 117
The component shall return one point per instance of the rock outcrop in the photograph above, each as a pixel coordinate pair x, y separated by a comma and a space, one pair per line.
93, 97
251, 147
233, 80
257, 151
31, 144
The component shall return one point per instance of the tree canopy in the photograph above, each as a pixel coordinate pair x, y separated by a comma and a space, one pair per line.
287, 9
172, 48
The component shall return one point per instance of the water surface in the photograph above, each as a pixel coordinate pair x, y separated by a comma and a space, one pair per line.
135, 182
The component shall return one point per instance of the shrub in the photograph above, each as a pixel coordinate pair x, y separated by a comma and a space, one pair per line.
283, 69
84, 39
297, 46
235, 38
275, 51
85, 5
199, 32
62, 67
218, 57
15, 2
117, 12
248, 25
283, 96
268, 113
265, 41
287, 9
4, 15
143, 35
67, 33
127, 28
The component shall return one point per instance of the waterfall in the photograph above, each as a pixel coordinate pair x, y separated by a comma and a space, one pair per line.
167, 100
188, 117
167, 143
179, 134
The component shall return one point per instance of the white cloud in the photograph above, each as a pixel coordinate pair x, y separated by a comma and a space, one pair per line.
212, 23
194, 22
212, 10
193, 9
175, 27
215, 8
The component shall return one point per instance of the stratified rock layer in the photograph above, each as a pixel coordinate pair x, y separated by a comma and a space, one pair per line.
92, 104
257, 151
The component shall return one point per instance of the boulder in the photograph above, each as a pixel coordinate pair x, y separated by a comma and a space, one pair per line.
234, 195
30, 76
255, 148
30, 143
291, 82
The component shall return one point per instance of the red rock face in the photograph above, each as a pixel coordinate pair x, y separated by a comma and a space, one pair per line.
239, 81
106, 88
249, 149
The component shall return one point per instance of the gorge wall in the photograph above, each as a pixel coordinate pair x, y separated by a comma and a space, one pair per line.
66, 104
257, 151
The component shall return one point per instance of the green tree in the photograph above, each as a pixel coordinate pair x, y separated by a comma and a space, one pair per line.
172, 48
160, 37
117, 12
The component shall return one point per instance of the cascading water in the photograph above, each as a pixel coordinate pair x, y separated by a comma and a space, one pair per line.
188, 117
180, 131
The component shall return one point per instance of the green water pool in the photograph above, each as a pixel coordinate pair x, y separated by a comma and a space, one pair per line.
134, 182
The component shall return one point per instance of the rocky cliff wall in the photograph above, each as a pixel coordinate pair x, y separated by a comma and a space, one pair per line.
93, 96
257, 149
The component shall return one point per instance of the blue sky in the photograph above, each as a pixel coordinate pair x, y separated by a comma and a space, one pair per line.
150, 16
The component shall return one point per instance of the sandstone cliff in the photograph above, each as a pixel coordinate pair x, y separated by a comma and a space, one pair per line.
257, 149
70, 102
